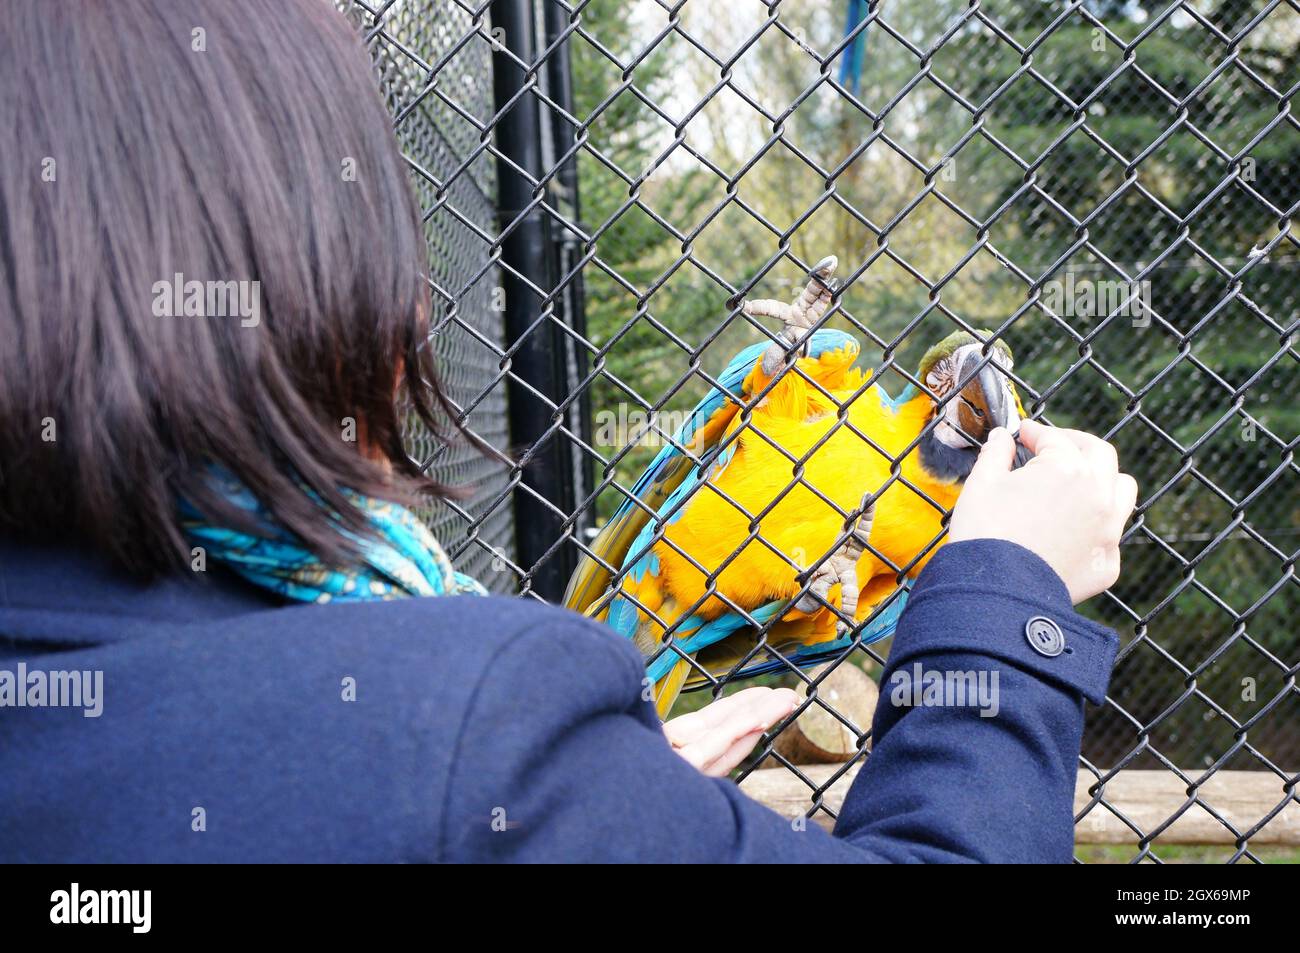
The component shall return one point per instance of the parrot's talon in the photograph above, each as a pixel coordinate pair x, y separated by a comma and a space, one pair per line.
799, 316
841, 568
825, 268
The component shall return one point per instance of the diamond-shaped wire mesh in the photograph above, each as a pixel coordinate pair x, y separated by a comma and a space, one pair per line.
439, 126
1107, 186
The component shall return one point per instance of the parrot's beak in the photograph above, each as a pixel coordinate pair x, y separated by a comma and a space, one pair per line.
1023, 455
986, 402
997, 399
1002, 410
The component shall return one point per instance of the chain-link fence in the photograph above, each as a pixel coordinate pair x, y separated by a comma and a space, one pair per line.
1106, 186
455, 183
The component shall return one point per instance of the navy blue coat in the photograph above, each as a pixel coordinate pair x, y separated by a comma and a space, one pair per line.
496, 729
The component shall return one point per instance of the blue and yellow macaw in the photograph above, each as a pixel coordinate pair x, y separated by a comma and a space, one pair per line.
714, 550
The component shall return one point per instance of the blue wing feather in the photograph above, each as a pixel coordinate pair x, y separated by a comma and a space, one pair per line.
731, 381
666, 470
882, 626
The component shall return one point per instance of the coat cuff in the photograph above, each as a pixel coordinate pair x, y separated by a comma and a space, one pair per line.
979, 596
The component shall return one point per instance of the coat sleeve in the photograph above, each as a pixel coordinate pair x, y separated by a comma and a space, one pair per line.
561, 758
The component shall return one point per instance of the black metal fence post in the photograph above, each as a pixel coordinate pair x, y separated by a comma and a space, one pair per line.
544, 497
559, 81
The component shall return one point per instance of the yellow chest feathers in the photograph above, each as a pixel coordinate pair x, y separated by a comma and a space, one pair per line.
780, 502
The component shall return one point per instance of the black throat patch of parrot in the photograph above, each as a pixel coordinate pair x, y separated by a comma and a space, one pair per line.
946, 464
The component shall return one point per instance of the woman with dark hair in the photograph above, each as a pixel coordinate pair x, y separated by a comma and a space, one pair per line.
205, 321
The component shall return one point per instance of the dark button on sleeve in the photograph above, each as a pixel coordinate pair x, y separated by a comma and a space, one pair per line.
1045, 636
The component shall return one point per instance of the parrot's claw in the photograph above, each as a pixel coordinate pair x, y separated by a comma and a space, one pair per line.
800, 315
825, 269
842, 568
811, 303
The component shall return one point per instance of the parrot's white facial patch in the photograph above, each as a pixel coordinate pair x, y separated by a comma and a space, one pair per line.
943, 378
943, 375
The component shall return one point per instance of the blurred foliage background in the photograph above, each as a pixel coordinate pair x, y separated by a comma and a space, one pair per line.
1094, 165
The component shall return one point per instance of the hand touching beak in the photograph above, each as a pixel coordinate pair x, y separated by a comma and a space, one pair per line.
1002, 410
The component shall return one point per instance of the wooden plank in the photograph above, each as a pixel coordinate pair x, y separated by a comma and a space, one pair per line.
1146, 798
1149, 798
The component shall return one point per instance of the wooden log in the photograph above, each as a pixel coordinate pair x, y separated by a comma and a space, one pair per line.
1146, 798
817, 736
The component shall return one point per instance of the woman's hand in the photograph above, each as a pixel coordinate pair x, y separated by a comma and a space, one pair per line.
1068, 504
719, 736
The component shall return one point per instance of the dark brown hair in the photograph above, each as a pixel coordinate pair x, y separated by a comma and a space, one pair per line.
214, 140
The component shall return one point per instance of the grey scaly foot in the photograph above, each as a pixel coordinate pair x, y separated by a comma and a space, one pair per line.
799, 315
841, 567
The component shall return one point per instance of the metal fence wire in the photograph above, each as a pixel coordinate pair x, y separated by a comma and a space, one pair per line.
1109, 187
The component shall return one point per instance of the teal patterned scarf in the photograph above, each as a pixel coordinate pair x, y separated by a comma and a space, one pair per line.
403, 559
